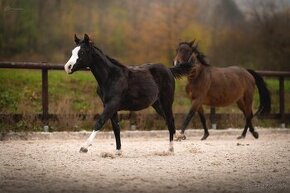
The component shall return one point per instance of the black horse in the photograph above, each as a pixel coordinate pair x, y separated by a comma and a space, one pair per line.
126, 88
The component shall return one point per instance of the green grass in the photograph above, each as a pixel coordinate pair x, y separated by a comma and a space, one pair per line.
20, 92
23, 87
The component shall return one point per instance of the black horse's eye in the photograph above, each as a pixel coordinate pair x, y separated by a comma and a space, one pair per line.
81, 53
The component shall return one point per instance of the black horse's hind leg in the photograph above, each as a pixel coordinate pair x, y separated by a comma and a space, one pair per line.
203, 122
116, 129
166, 107
171, 127
167, 114
158, 108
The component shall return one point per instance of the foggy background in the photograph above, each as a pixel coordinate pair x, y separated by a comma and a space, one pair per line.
248, 33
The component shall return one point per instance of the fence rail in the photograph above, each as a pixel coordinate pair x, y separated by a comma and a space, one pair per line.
45, 67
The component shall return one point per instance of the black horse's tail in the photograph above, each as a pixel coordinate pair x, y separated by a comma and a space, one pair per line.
265, 98
182, 69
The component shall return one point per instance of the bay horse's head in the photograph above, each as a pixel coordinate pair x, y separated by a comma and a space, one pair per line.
185, 53
81, 55
188, 52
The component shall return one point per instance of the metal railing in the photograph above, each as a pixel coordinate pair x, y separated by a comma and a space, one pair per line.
45, 67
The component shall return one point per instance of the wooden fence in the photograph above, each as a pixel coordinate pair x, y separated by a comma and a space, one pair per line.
45, 67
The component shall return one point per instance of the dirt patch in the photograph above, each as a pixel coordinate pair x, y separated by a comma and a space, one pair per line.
219, 164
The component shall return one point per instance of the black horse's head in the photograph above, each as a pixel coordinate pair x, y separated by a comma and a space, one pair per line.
186, 52
81, 55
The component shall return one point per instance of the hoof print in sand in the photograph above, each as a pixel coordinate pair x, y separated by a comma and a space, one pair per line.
164, 153
107, 155
83, 150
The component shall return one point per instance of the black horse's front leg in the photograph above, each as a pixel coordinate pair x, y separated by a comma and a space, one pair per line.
109, 111
116, 129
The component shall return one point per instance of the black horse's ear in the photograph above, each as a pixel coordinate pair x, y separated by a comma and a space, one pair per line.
86, 39
191, 43
77, 40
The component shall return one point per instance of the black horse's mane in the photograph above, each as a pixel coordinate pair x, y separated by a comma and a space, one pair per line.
114, 61
200, 56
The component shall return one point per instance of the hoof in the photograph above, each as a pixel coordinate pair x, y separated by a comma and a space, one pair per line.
183, 137
118, 152
180, 137
83, 150
241, 137
204, 136
255, 134
171, 150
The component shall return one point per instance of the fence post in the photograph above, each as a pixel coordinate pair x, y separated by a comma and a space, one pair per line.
133, 120
282, 101
212, 118
44, 96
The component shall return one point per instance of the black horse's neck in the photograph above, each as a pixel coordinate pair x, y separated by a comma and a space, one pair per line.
103, 66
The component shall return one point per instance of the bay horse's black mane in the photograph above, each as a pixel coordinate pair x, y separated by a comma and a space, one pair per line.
200, 56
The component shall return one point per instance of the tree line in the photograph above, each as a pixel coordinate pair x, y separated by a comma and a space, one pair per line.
230, 32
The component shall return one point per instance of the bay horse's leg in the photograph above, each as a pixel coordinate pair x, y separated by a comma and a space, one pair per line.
116, 129
187, 120
251, 127
247, 110
241, 106
203, 122
196, 104
181, 135
109, 111
244, 131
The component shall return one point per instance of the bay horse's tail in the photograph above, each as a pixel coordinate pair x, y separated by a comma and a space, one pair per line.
182, 69
265, 98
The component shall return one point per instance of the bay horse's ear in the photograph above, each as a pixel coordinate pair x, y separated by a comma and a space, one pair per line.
86, 39
191, 43
77, 40
195, 46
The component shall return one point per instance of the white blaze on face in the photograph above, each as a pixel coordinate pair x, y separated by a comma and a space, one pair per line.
175, 62
73, 59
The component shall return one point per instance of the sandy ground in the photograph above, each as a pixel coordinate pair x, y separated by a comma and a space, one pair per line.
220, 164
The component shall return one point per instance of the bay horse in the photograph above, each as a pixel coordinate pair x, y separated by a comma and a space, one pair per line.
122, 87
220, 87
